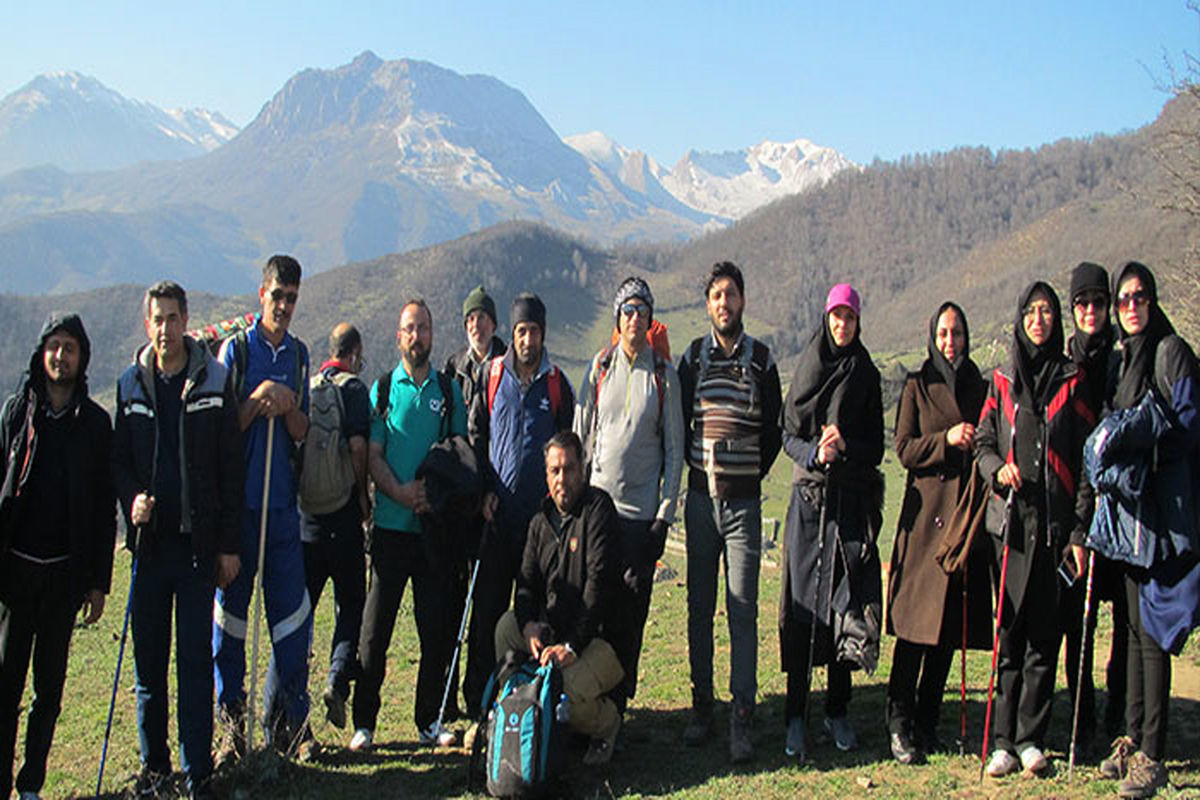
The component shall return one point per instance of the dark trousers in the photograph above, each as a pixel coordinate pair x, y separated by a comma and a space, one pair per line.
1148, 693
397, 557
338, 556
169, 576
1071, 621
837, 696
499, 562
633, 599
1024, 686
916, 686
37, 615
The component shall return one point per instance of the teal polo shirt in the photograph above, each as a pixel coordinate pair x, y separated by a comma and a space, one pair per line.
412, 426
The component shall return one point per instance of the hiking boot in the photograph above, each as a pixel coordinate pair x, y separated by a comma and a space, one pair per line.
600, 748
436, 735
361, 741
151, 782
1146, 776
843, 735
335, 707
903, 749
699, 725
201, 790
1002, 763
741, 722
928, 742
233, 737
1117, 763
305, 747
1034, 761
794, 746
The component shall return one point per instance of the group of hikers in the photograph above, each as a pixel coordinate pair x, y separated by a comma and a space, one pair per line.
530, 519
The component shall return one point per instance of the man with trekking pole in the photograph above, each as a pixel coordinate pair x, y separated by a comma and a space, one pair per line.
178, 471
269, 369
57, 527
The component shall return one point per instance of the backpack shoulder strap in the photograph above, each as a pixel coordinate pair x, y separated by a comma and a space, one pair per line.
554, 388
660, 370
301, 371
495, 373
446, 385
760, 355
603, 364
241, 355
383, 390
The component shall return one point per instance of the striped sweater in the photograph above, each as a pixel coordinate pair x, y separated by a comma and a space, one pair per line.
731, 409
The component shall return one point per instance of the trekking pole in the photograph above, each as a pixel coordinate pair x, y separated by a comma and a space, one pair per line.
258, 585
812, 631
112, 703
1083, 643
462, 628
962, 705
1008, 505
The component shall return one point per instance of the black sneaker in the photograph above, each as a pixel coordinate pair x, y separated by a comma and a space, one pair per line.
202, 790
151, 782
699, 725
335, 707
903, 749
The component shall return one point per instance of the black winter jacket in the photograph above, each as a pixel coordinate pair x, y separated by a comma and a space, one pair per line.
567, 579
212, 464
88, 493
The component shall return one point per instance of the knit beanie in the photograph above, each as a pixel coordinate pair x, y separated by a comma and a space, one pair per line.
630, 289
479, 300
1088, 277
528, 307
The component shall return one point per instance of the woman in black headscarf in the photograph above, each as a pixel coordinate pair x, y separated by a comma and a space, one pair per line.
1030, 441
833, 431
1153, 359
935, 429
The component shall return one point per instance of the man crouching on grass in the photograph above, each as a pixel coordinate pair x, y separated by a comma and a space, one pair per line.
565, 584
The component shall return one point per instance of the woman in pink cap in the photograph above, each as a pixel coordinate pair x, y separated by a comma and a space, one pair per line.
829, 610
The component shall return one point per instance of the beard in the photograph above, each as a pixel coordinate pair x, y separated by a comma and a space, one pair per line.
529, 358
417, 356
730, 328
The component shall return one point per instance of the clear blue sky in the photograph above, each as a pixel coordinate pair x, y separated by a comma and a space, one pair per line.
870, 79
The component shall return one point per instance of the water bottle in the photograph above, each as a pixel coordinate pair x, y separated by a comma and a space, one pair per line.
563, 710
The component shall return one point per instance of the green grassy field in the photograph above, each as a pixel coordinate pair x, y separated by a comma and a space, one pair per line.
653, 762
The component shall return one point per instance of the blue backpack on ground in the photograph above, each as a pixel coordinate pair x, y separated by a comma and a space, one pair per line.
525, 724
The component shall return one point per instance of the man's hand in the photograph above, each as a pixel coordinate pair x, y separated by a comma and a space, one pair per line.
228, 567
93, 606
490, 502
143, 506
412, 494
1009, 475
961, 436
533, 637
658, 539
272, 399
559, 654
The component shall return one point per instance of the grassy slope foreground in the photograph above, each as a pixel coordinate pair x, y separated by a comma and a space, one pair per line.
653, 762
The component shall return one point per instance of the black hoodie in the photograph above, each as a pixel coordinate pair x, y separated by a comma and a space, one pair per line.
87, 493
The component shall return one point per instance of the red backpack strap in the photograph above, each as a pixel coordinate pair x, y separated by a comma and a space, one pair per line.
603, 363
660, 367
554, 387
493, 385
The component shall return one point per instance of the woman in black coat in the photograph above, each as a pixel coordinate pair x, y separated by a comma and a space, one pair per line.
833, 432
935, 429
1030, 441
1153, 359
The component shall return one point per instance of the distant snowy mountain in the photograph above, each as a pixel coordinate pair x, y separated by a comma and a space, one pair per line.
727, 185
76, 123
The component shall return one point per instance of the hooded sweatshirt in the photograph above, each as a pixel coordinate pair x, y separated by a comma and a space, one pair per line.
81, 434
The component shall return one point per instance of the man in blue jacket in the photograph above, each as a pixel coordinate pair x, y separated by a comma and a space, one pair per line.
523, 402
177, 466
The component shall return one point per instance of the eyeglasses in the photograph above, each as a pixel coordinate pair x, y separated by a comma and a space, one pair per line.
1131, 300
631, 309
280, 294
1091, 300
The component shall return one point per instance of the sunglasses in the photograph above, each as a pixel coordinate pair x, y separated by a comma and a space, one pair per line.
1091, 300
635, 309
1131, 300
280, 294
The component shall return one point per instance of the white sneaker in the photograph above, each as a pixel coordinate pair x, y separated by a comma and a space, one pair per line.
1033, 760
360, 742
437, 734
1002, 763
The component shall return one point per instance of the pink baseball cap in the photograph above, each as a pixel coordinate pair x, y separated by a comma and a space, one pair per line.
843, 294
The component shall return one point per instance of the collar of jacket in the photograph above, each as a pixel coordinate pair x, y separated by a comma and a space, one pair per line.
197, 365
